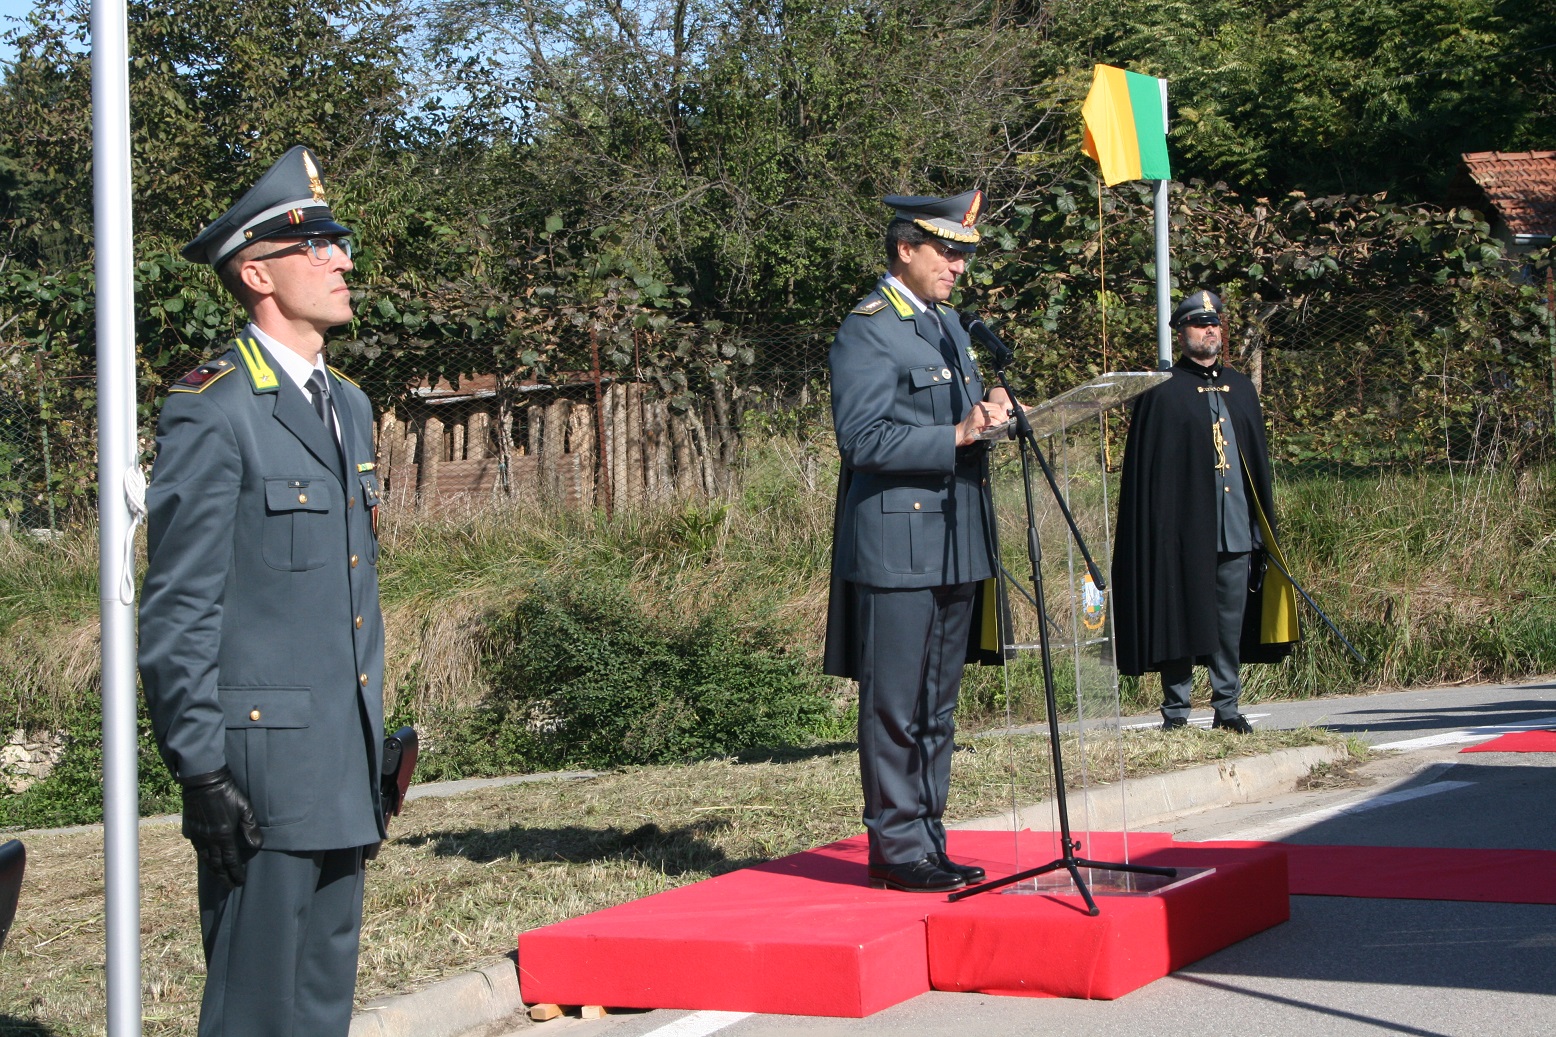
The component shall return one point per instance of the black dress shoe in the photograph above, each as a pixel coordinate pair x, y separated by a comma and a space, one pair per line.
1173, 723
970, 873
1236, 722
920, 876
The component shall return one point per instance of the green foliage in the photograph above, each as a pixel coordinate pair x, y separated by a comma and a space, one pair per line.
1331, 95
72, 794
582, 677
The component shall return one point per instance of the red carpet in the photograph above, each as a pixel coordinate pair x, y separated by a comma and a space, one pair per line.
1517, 742
1414, 873
805, 935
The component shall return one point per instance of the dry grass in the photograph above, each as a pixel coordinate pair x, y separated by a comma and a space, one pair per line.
462, 876
52, 663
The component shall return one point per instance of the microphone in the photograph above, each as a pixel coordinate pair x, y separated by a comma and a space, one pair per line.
998, 351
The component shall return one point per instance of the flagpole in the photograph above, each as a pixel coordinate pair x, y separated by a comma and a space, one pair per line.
1163, 278
1125, 130
1163, 262
113, 233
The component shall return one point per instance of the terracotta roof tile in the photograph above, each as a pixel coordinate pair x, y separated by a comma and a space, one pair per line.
1521, 187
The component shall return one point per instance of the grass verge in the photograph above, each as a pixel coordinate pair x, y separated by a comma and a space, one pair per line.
461, 876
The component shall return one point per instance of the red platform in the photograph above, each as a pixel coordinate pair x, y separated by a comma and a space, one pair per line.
805, 934
1047, 946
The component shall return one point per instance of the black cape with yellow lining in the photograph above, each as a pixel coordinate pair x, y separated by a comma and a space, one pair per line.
1164, 558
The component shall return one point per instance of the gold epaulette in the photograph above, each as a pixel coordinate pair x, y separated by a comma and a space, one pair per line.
254, 362
202, 377
873, 304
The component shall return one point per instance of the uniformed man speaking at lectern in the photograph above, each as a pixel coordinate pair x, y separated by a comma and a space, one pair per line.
913, 536
261, 641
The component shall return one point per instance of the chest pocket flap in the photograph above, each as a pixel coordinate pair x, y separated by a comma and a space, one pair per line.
924, 377
297, 495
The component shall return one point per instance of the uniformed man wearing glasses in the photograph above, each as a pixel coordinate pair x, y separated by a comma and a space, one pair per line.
913, 536
261, 641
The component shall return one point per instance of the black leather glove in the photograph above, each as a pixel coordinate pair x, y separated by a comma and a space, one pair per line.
220, 822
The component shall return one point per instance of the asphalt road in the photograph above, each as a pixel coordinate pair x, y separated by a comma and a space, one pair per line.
1341, 966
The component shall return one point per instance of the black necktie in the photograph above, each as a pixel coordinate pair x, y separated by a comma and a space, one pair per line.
319, 390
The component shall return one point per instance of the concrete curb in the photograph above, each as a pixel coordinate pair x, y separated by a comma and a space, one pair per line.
475, 1001
446, 1009
1150, 800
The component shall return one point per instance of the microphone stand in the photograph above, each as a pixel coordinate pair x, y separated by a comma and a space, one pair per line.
1001, 357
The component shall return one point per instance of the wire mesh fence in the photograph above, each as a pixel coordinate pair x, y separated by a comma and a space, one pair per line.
1434, 375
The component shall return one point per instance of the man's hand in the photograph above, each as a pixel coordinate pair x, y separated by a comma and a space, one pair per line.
220, 822
979, 418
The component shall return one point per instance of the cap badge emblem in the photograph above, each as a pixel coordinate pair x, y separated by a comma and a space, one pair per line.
971, 216
313, 177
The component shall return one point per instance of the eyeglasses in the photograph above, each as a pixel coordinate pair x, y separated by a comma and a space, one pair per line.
949, 254
321, 249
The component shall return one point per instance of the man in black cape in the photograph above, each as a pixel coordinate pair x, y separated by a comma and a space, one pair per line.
1195, 518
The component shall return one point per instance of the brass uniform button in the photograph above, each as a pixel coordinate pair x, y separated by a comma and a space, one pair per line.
363, 680
253, 714
353, 561
351, 502
916, 505
302, 498
359, 622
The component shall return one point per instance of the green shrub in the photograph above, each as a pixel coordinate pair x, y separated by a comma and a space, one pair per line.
583, 677
72, 794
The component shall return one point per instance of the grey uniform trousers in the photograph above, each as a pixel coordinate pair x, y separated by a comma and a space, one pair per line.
1226, 685
913, 647
281, 949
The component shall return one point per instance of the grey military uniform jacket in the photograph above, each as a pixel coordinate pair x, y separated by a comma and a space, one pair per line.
261, 640
913, 510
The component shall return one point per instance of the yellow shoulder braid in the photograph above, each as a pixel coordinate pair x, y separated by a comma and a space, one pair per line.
254, 362
902, 306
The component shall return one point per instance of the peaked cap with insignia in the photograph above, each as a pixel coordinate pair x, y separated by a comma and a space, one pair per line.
1199, 307
287, 202
955, 219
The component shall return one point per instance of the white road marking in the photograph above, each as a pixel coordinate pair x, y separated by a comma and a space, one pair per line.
1289, 824
1472, 734
698, 1024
